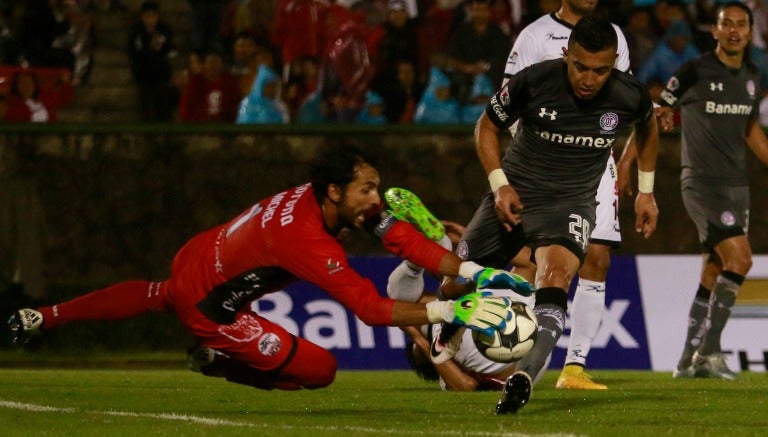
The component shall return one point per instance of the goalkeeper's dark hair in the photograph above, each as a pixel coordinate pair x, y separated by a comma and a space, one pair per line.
595, 34
336, 165
420, 363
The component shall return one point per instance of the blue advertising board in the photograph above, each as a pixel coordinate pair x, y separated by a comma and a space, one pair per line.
309, 312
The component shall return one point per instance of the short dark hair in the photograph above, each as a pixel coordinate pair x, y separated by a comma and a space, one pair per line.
735, 4
337, 165
595, 34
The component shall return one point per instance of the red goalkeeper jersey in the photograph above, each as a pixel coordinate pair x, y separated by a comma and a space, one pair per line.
279, 240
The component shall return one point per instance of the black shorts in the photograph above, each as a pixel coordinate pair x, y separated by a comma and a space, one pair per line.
719, 212
488, 243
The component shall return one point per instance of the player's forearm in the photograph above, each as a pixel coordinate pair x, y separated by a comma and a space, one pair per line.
455, 378
487, 144
408, 314
629, 154
647, 145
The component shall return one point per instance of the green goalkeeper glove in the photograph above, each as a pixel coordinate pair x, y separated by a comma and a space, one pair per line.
477, 311
495, 278
487, 277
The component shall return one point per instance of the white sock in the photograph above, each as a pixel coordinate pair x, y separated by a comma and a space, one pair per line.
446, 243
586, 314
406, 282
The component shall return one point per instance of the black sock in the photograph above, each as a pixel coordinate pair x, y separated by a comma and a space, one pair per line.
551, 305
697, 326
720, 304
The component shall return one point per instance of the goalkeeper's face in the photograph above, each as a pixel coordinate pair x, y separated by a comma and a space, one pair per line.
360, 198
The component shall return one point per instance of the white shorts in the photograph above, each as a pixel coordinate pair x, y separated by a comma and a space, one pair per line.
607, 230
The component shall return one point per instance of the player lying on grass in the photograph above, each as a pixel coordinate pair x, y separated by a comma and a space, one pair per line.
286, 237
468, 369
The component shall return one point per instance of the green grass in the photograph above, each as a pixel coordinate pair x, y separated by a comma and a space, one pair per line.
180, 403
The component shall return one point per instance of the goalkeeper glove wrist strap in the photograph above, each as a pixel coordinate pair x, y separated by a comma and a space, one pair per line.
468, 270
440, 311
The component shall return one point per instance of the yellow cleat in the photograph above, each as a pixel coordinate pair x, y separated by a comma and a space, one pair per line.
575, 378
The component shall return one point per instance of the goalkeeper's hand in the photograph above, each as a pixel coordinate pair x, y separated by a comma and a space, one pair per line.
487, 277
477, 311
496, 278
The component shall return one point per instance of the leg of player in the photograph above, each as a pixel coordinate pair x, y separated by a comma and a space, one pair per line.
276, 360
586, 313
736, 255
698, 323
556, 267
116, 302
523, 266
406, 282
589, 298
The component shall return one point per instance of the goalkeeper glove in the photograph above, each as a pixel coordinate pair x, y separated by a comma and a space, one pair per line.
477, 311
495, 278
487, 277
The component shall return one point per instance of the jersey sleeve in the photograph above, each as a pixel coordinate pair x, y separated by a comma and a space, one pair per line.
678, 84
323, 262
505, 106
622, 60
645, 109
525, 52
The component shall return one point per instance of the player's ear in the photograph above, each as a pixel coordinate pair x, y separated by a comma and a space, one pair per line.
334, 193
565, 52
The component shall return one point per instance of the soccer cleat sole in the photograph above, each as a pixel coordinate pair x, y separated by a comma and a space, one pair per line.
517, 392
407, 206
24, 324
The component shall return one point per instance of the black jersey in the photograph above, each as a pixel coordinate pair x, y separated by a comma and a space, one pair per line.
563, 147
716, 103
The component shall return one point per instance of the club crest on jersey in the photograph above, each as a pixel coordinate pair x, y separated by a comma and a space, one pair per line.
504, 97
751, 88
609, 121
512, 58
463, 250
673, 84
727, 218
552, 115
269, 344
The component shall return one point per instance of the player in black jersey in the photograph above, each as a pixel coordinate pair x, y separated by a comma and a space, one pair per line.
718, 96
573, 110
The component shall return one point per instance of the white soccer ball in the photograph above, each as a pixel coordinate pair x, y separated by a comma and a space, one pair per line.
514, 341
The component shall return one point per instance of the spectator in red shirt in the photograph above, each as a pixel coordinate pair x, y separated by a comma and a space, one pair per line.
27, 102
299, 30
211, 94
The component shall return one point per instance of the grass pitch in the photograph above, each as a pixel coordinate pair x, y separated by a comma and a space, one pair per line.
163, 402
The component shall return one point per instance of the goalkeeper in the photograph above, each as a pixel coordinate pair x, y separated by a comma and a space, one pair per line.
286, 237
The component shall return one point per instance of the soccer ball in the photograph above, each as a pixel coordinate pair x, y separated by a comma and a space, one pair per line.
512, 343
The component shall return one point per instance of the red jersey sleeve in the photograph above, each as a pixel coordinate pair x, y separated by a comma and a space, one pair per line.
322, 261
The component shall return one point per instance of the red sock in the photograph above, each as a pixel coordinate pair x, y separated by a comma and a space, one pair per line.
116, 302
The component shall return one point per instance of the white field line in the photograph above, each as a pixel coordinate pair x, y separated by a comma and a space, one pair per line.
35, 408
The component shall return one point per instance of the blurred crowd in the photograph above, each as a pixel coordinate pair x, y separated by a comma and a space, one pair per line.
326, 61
